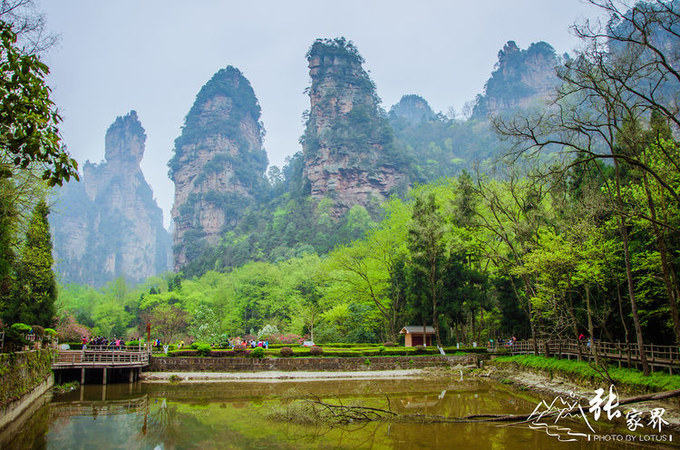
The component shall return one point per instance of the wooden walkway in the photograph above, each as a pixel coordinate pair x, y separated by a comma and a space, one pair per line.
104, 358
100, 357
661, 356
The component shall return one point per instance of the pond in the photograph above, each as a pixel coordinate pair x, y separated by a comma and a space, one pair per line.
249, 414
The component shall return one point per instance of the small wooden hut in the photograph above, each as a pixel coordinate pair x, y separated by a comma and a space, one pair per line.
417, 335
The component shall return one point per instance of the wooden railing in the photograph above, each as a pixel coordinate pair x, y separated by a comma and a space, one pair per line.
102, 357
629, 353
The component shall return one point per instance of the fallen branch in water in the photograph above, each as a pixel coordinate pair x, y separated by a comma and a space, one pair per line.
316, 410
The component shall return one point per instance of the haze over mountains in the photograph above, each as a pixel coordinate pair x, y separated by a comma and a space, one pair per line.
230, 209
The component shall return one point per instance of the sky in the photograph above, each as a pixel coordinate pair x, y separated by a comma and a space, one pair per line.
153, 56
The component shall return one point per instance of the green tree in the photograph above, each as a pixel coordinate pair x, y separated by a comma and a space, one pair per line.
205, 326
35, 290
29, 137
428, 252
8, 218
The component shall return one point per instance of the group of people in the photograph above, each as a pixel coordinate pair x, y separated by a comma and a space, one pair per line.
252, 343
102, 341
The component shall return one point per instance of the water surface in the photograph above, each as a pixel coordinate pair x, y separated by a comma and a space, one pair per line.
247, 415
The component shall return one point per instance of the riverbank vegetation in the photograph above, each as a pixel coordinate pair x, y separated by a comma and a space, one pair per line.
589, 374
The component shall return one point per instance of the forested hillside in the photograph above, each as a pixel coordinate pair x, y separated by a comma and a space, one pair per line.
565, 222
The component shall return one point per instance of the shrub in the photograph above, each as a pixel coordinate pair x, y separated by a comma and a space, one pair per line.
51, 332
20, 327
267, 332
182, 353
287, 338
194, 345
38, 331
316, 351
240, 350
132, 344
175, 379
420, 349
286, 352
466, 350
381, 349
257, 352
203, 349
344, 353
390, 344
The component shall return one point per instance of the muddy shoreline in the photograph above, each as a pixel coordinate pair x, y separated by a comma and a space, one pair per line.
546, 386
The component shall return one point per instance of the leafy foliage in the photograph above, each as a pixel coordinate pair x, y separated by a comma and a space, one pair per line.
29, 137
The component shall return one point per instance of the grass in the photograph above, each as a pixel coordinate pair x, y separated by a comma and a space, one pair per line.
581, 371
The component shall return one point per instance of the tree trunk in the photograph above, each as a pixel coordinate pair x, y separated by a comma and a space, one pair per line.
633, 302
663, 253
629, 274
591, 328
573, 322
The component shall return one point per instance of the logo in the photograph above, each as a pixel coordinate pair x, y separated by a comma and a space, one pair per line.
643, 425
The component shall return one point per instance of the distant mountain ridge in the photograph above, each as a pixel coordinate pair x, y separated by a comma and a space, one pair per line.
228, 209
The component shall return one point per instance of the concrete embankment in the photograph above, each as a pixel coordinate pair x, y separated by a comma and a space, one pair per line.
321, 364
24, 377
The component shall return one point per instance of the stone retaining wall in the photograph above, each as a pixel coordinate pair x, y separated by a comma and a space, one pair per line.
24, 376
196, 364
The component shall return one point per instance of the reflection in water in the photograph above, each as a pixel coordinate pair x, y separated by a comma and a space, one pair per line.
239, 415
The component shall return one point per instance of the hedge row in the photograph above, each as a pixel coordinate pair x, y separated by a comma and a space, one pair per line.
333, 352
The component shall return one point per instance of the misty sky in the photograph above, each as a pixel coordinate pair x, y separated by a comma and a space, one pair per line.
153, 56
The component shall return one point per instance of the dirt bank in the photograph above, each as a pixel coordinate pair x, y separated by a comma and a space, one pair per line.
548, 387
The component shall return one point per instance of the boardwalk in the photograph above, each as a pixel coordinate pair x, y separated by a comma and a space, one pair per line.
659, 356
104, 358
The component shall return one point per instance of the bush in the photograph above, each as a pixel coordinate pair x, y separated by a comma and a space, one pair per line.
257, 352
267, 332
182, 353
390, 344
20, 327
51, 332
420, 349
73, 345
38, 331
344, 353
194, 345
286, 339
240, 350
203, 349
132, 344
316, 351
286, 352
381, 349
466, 350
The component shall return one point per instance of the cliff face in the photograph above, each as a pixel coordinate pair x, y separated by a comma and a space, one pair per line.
521, 78
218, 164
348, 145
109, 225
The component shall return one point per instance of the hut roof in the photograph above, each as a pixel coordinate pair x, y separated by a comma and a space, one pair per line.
417, 329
